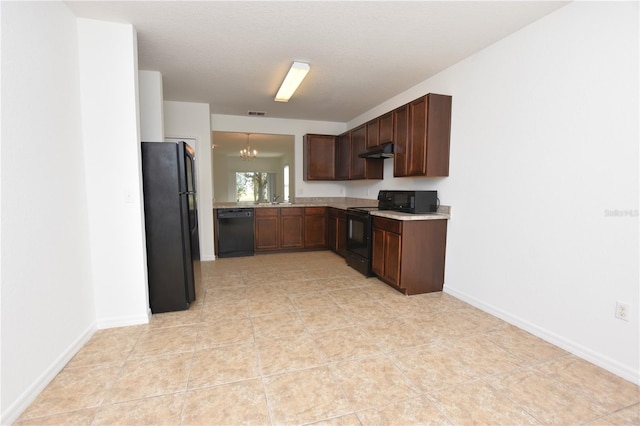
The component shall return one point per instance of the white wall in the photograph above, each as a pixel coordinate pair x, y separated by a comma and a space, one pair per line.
544, 144
108, 87
297, 128
192, 120
47, 309
151, 106
288, 160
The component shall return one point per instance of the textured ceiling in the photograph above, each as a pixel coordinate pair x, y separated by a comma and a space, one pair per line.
234, 55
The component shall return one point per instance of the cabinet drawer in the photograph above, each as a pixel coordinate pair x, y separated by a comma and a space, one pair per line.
315, 211
266, 211
291, 211
389, 225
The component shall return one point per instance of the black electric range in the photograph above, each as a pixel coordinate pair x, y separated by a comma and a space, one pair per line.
359, 239
360, 226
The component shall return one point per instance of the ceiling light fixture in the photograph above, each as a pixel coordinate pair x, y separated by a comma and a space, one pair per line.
294, 77
248, 154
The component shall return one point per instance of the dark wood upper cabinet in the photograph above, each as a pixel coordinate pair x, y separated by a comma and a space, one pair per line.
419, 130
363, 168
329, 157
373, 133
319, 154
385, 128
343, 156
380, 130
400, 140
358, 145
424, 151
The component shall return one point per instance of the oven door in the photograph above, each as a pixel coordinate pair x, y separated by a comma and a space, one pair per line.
359, 234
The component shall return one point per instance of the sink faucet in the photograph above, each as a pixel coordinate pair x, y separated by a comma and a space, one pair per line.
275, 198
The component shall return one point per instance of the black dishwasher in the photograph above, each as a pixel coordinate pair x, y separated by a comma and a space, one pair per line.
235, 232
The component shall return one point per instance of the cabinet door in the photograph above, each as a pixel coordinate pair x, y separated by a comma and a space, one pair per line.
337, 231
378, 252
266, 229
291, 227
363, 168
343, 156
373, 133
438, 134
400, 140
385, 128
332, 232
319, 157
315, 227
417, 147
358, 145
429, 136
341, 237
392, 251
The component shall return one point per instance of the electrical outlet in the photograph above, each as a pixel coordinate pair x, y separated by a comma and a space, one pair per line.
622, 311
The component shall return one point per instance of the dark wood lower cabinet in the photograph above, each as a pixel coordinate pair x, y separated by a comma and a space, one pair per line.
267, 229
387, 251
315, 227
337, 238
290, 228
410, 255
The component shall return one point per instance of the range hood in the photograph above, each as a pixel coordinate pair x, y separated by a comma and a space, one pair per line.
381, 151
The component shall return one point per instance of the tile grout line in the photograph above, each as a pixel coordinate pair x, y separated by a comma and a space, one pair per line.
387, 351
120, 372
186, 386
259, 360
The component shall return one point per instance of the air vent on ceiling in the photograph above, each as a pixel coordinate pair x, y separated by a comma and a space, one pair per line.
257, 113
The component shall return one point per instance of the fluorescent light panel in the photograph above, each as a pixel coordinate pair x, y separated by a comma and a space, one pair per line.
294, 77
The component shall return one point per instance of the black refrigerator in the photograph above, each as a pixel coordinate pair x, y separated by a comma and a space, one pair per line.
171, 222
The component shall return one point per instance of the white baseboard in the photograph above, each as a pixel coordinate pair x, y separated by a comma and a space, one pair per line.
124, 321
11, 414
615, 367
208, 258
17, 408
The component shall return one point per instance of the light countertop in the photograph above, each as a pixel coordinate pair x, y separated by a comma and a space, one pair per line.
444, 212
389, 214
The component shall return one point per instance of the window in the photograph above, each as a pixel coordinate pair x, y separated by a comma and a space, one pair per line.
285, 195
255, 186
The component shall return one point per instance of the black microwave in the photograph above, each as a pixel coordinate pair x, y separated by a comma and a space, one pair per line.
409, 201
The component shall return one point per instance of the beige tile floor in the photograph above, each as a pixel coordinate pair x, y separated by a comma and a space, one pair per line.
301, 338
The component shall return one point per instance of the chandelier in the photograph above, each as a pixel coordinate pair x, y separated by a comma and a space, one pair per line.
248, 154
